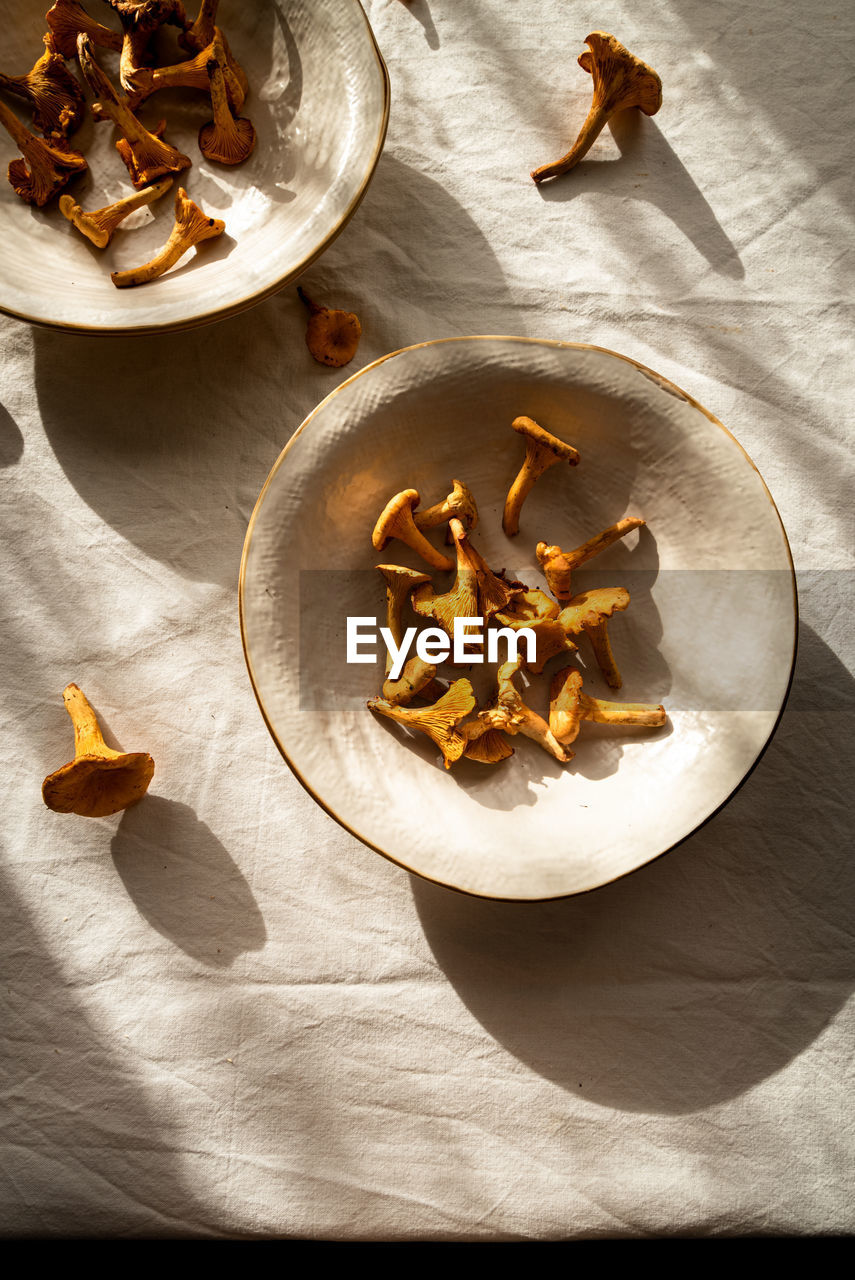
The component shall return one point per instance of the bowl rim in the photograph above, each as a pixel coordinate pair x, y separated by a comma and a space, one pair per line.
258, 295
667, 385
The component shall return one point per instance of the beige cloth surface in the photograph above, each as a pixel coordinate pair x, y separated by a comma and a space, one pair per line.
226, 1016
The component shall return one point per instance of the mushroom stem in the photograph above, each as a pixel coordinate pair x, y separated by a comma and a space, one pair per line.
598, 634
558, 565
602, 711
99, 225
88, 738
201, 31
146, 155
590, 131
192, 74
192, 226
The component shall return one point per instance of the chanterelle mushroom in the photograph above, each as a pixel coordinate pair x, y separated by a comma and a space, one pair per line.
331, 336
477, 592
400, 585
621, 80
192, 74
99, 780
51, 91
569, 706
99, 225
558, 565
51, 166
196, 39
437, 721
588, 612
192, 226
542, 451
68, 18
226, 139
396, 521
511, 715
146, 155
140, 19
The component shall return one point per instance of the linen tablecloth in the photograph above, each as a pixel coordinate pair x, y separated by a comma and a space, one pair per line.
223, 1014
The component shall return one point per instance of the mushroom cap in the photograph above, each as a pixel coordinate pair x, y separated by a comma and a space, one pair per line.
532, 605
565, 705
589, 608
230, 145
396, 515
541, 441
96, 785
488, 747
621, 80
85, 223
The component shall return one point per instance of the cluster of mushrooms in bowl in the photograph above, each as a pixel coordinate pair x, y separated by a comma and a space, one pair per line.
478, 595
265, 121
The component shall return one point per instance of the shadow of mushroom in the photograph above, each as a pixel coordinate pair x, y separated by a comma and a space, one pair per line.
706, 971
185, 884
667, 184
11, 440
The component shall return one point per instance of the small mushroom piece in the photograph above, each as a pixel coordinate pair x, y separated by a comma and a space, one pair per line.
558, 565
68, 18
51, 165
51, 92
542, 451
588, 612
145, 154
621, 80
140, 19
400, 585
459, 503
226, 139
192, 74
569, 706
99, 780
192, 226
99, 225
511, 715
438, 721
331, 336
530, 606
413, 680
396, 521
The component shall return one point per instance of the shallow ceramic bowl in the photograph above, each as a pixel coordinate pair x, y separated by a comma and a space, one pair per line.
710, 631
319, 100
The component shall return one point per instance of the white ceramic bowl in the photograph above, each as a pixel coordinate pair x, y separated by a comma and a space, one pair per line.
319, 100
710, 631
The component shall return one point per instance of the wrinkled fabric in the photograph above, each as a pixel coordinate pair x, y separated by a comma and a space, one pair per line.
224, 1015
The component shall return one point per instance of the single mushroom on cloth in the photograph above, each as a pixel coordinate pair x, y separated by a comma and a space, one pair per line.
558, 565
331, 336
476, 592
542, 451
438, 721
98, 781
67, 19
511, 715
145, 154
46, 168
569, 706
227, 139
396, 521
99, 225
589, 612
52, 93
191, 227
621, 81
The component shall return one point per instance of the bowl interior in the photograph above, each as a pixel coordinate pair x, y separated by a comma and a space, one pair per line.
709, 631
318, 99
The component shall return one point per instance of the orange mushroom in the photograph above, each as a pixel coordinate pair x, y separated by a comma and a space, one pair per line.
98, 781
